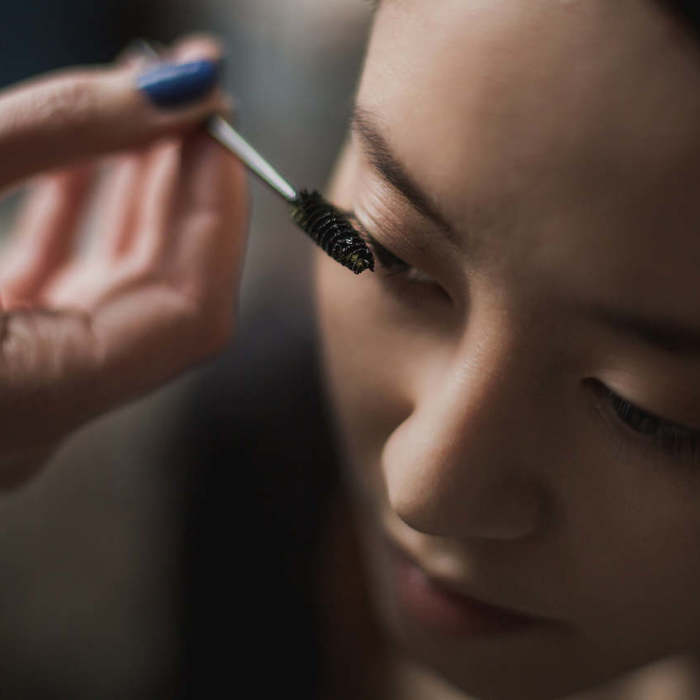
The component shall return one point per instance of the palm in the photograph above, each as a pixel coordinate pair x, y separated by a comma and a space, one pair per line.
150, 292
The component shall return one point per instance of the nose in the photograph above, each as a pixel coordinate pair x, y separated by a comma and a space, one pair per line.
459, 465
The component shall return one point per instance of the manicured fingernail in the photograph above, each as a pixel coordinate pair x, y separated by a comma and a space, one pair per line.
171, 85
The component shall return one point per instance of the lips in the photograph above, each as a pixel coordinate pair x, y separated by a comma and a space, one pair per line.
437, 605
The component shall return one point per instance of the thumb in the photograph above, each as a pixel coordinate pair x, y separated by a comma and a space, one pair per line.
72, 114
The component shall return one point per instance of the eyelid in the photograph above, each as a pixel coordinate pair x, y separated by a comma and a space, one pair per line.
674, 440
611, 396
409, 272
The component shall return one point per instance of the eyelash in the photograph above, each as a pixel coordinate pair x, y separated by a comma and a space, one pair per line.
673, 439
390, 265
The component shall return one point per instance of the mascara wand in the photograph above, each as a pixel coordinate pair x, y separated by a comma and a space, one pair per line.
325, 224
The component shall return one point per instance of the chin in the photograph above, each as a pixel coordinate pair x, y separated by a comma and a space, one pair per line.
541, 660
539, 674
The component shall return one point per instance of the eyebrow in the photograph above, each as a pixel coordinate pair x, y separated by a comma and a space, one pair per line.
666, 335
392, 171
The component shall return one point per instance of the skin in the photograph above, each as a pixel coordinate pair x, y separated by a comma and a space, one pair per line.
560, 142
84, 329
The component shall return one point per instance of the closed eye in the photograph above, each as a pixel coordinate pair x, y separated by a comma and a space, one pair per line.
389, 263
676, 440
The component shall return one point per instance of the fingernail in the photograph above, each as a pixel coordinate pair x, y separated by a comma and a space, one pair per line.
171, 85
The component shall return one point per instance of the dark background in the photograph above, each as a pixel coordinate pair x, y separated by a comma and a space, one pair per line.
167, 550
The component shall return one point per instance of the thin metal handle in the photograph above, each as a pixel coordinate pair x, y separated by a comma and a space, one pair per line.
226, 135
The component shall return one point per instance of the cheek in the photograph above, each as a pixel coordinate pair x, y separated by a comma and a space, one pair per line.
366, 369
636, 571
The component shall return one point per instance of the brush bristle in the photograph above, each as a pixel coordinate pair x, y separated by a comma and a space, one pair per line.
329, 228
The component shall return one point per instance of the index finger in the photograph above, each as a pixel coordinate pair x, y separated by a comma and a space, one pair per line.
71, 115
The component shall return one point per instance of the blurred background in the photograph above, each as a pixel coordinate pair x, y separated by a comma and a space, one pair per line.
167, 551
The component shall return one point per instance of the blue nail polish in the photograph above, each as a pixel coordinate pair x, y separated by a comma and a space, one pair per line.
172, 85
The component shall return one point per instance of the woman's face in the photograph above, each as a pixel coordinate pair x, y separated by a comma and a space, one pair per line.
532, 171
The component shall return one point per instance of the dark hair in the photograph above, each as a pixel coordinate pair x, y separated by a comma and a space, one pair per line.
688, 11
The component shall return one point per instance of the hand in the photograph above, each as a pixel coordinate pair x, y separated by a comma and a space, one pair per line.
152, 294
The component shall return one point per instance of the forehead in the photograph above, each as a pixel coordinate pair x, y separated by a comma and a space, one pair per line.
553, 113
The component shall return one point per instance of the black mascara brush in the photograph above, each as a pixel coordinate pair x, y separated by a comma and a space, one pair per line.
325, 224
